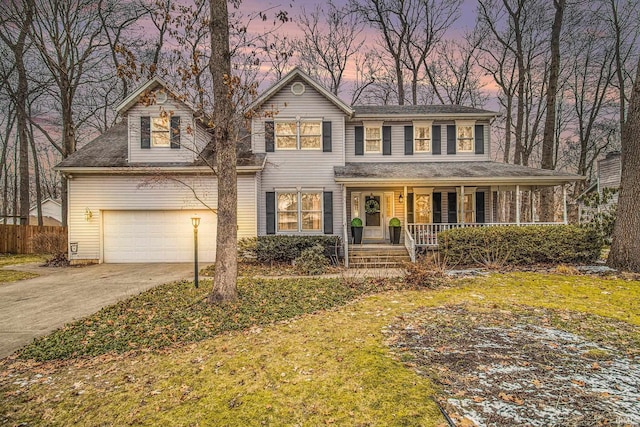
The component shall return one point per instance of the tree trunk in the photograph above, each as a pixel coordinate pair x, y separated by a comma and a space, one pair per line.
548, 140
625, 247
36, 175
226, 271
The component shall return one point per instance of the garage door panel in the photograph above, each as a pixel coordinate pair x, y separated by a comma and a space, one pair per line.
157, 236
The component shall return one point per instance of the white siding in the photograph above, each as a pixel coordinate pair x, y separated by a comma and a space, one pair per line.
397, 146
302, 169
189, 129
119, 192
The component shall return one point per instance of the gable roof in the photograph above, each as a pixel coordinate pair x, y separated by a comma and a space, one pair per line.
151, 84
288, 78
419, 110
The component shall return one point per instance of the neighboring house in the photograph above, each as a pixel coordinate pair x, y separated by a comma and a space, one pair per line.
51, 214
608, 174
313, 164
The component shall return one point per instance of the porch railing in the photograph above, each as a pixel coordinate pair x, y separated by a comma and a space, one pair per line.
427, 234
410, 244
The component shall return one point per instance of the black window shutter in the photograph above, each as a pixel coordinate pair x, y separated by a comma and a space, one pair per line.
386, 140
408, 140
271, 212
410, 217
326, 137
479, 131
359, 141
437, 208
328, 212
145, 132
269, 143
452, 208
451, 139
480, 207
175, 131
436, 140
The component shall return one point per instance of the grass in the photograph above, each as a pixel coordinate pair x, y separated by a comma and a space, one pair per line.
327, 367
13, 275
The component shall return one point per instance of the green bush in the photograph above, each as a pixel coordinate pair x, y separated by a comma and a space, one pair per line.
356, 222
247, 248
562, 244
283, 248
312, 261
394, 222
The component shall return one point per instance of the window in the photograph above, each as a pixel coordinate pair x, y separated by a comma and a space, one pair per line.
160, 132
422, 137
464, 136
467, 205
298, 135
373, 139
422, 207
299, 211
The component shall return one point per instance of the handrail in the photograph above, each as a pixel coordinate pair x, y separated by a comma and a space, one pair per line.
410, 244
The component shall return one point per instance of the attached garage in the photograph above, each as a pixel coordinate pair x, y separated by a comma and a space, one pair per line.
131, 236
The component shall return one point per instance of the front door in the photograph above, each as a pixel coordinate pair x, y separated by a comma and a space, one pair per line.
373, 217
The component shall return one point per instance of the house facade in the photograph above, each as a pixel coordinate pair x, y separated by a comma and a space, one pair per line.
311, 164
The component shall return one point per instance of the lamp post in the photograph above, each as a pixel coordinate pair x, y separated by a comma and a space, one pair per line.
195, 221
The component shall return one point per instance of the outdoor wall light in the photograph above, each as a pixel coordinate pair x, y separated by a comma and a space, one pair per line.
88, 214
401, 198
195, 221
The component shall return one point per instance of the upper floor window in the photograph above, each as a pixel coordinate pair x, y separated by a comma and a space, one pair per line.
299, 211
464, 136
373, 139
422, 137
160, 136
298, 135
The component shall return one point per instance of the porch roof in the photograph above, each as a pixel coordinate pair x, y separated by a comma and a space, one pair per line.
461, 173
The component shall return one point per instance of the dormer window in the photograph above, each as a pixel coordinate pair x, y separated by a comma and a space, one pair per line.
160, 132
422, 137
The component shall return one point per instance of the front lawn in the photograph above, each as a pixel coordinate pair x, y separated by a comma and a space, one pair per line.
13, 275
334, 366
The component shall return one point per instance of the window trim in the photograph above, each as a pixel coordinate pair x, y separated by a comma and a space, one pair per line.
461, 212
371, 125
299, 210
465, 123
429, 126
298, 121
153, 132
422, 191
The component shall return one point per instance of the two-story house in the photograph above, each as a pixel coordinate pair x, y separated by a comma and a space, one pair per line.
313, 164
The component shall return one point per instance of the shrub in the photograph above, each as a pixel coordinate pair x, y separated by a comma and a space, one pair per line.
49, 243
283, 248
312, 261
562, 244
600, 213
429, 271
356, 222
247, 248
394, 222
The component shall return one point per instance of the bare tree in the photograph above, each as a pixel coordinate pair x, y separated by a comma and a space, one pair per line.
331, 37
15, 23
625, 247
277, 51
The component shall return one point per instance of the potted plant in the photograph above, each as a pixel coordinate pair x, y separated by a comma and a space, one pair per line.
394, 231
356, 230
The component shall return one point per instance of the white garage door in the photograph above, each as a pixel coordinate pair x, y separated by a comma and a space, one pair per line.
157, 236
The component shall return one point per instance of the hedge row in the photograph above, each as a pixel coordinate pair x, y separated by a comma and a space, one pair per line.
281, 248
520, 245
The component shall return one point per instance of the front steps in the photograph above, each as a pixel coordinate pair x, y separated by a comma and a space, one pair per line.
377, 256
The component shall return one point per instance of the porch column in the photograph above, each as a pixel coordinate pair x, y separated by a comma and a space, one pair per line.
344, 226
461, 205
532, 201
404, 202
517, 204
564, 204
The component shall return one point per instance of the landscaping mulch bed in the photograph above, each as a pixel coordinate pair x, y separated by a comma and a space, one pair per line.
525, 366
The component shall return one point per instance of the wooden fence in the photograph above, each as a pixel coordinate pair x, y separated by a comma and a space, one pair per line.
17, 239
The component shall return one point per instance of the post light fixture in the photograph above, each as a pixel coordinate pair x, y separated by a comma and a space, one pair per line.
87, 214
195, 221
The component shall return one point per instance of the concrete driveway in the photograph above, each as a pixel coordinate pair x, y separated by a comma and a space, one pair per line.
33, 307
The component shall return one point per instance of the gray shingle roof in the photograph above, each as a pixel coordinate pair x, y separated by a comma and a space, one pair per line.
110, 150
439, 171
365, 110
